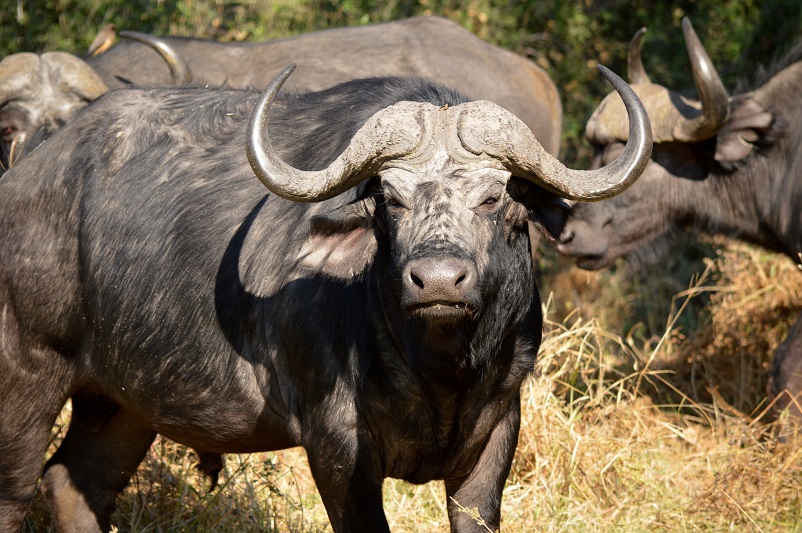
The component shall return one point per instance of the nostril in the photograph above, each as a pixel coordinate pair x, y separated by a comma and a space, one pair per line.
439, 279
567, 236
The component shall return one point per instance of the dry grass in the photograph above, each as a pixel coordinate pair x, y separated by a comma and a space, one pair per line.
619, 433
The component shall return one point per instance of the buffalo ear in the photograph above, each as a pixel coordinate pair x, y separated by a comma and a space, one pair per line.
543, 211
341, 243
550, 217
748, 123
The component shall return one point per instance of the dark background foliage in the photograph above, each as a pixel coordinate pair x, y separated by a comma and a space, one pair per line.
567, 38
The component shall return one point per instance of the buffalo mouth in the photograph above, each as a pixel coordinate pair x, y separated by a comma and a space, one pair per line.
440, 311
594, 262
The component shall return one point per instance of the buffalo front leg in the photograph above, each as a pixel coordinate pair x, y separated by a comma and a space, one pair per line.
349, 482
785, 380
25, 424
479, 492
34, 384
92, 465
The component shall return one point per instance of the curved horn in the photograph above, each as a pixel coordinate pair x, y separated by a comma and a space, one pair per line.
712, 94
593, 185
21, 75
388, 134
635, 71
514, 144
12, 70
178, 67
76, 74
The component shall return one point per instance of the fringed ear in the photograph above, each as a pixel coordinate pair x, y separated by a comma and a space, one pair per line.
747, 125
542, 210
341, 243
549, 217
538, 212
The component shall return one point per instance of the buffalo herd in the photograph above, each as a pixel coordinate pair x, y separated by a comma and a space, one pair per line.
211, 245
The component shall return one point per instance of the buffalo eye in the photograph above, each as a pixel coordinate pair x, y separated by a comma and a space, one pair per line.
489, 204
395, 203
8, 133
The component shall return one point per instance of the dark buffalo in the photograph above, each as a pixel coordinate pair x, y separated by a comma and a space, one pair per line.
430, 47
721, 165
39, 93
386, 327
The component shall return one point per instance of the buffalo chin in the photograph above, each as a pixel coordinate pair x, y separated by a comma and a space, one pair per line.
593, 262
444, 328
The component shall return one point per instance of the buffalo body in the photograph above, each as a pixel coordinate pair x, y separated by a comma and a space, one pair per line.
386, 327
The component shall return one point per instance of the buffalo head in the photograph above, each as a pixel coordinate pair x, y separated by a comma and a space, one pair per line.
693, 138
39, 93
450, 187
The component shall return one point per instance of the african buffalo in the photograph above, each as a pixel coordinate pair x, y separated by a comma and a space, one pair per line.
430, 47
724, 165
377, 306
39, 93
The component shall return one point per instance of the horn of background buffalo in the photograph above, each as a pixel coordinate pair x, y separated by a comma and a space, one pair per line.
712, 93
532, 162
635, 71
77, 74
178, 67
12, 68
17, 68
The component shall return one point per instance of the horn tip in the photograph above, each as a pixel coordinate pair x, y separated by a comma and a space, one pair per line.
613, 78
687, 27
609, 74
634, 44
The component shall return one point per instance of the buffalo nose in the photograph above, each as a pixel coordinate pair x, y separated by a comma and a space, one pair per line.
439, 280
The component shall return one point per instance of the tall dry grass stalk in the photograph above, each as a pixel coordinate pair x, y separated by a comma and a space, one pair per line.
618, 433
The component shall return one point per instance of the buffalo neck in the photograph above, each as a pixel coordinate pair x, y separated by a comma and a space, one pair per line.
758, 200
448, 395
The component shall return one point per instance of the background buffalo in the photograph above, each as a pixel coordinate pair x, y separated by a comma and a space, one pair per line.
38, 94
723, 165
